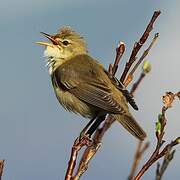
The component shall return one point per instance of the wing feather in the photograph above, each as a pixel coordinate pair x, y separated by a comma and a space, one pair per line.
86, 79
97, 97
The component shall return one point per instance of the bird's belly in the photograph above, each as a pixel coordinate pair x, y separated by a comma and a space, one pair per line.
73, 104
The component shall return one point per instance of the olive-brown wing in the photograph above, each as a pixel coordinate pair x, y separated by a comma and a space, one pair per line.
88, 83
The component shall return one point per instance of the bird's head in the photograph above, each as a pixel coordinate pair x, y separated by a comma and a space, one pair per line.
63, 46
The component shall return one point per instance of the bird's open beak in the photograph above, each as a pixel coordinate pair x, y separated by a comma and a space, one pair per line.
51, 38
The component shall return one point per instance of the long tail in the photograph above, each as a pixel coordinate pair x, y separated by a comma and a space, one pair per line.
129, 123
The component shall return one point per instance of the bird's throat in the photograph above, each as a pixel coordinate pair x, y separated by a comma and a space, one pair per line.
52, 52
52, 55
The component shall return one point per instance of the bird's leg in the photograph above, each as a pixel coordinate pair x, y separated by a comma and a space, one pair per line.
95, 125
83, 132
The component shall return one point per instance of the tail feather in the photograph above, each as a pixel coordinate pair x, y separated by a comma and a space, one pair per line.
130, 124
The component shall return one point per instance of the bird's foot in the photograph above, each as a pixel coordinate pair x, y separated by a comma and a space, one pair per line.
85, 137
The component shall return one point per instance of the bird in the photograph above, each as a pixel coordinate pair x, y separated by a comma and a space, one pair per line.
83, 86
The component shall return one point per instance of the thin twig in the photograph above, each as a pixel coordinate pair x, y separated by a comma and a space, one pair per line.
119, 52
139, 44
146, 68
162, 168
78, 144
136, 84
1, 168
90, 151
155, 156
140, 150
130, 75
137, 157
87, 156
160, 126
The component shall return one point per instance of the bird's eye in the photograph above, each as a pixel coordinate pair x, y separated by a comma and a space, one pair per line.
65, 42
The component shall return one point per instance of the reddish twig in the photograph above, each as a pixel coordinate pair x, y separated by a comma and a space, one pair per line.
86, 157
131, 74
145, 70
137, 157
167, 159
136, 84
1, 168
160, 126
101, 131
119, 52
155, 156
140, 150
91, 150
139, 44
78, 144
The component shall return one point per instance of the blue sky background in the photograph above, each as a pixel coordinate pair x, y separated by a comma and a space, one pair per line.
36, 134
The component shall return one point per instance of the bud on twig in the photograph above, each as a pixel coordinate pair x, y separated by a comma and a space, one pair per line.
146, 67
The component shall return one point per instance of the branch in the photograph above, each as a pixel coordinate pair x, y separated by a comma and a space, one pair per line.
162, 168
145, 70
78, 144
91, 150
140, 150
1, 168
130, 75
119, 52
160, 126
139, 44
137, 157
